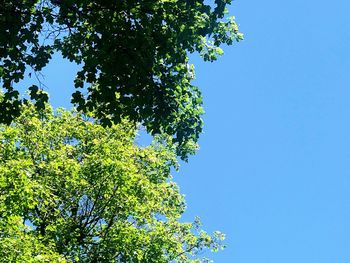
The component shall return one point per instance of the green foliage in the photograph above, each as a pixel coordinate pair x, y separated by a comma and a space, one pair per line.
72, 190
134, 56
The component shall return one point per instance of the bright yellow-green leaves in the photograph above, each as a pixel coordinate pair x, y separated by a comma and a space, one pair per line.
72, 190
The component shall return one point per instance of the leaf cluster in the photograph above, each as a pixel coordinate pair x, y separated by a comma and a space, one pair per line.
133, 56
72, 190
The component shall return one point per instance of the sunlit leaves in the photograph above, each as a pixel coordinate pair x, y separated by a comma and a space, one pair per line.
72, 190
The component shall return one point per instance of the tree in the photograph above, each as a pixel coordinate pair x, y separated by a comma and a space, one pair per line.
133, 55
72, 190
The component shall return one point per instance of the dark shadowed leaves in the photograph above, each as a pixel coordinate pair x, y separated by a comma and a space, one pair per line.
134, 56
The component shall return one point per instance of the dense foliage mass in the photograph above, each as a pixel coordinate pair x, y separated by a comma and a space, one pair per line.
133, 56
72, 190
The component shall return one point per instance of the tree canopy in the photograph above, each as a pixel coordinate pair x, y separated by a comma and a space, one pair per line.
72, 190
134, 57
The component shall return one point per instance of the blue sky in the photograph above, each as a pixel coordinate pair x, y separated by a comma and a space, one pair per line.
273, 171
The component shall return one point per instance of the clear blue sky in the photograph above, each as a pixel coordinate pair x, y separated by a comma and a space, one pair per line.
273, 172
